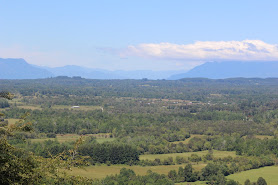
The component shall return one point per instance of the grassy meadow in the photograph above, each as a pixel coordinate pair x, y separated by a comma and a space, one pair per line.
188, 139
31, 107
73, 137
82, 108
192, 183
98, 172
270, 174
12, 121
216, 153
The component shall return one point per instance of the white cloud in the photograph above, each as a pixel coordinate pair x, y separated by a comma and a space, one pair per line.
246, 50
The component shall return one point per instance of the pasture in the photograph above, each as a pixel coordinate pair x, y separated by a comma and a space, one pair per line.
268, 173
102, 137
12, 121
31, 107
98, 172
261, 137
191, 183
216, 153
188, 139
81, 108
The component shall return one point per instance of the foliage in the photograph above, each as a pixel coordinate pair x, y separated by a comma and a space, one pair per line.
18, 166
143, 117
113, 153
128, 177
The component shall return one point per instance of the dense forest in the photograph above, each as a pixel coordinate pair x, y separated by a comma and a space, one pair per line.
122, 121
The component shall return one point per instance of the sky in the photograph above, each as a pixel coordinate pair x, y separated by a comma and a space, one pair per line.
138, 34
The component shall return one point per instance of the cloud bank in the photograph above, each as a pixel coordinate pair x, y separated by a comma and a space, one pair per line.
246, 50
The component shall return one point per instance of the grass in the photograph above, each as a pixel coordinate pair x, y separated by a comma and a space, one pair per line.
73, 137
32, 107
37, 107
98, 172
12, 121
193, 183
216, 153
188, 139
84, 108
263, 136
268, 173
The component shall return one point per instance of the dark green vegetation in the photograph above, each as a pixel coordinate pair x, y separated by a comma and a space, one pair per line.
151, 117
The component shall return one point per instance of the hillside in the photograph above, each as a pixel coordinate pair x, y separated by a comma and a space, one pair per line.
20, 69
221, 70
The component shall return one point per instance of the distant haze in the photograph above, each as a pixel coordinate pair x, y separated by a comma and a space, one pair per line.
232, 69
20, 69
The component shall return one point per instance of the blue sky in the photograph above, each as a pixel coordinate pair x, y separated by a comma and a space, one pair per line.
145, 34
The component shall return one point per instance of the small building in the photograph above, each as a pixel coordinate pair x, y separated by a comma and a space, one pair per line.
75, 107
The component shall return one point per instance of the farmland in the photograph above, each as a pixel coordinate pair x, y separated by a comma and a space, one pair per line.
217, 154
209, 128
61, 138
98, 172
268, 173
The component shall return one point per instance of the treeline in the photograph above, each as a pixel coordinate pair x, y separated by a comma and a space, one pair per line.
215, 172
249, 146
186, 89
128, 176
98, 121
186, 174
110, 153
4, 103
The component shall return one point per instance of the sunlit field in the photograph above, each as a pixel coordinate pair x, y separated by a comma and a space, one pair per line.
268, 173
73, 137
98, 172
187, 154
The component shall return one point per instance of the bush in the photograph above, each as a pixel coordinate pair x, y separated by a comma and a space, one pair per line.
51, 135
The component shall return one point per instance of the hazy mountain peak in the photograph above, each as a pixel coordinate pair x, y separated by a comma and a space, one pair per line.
231, 69
12, 68
20, 69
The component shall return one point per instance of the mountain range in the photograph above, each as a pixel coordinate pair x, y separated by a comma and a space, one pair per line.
19, 69
11, 68
231, 69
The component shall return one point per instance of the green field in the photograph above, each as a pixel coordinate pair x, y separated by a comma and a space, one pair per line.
216, 153
12, 121
188, 139
103, 170
32, 107
83, 108
193, 183
270, 174
262, 136
98, 172
73, 137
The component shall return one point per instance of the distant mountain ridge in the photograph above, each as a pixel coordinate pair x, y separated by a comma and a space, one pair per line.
19, 69
11, 68
222, 70
71, 70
